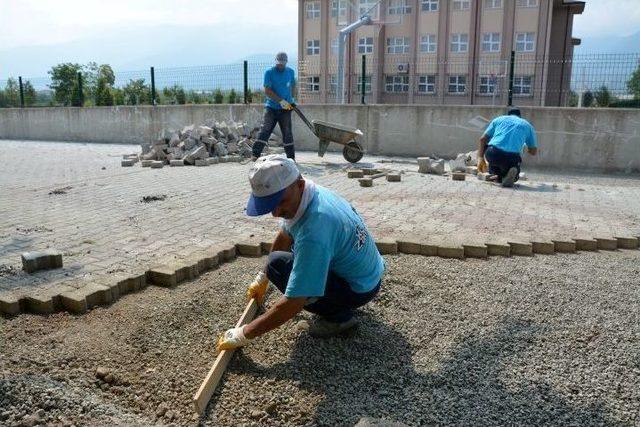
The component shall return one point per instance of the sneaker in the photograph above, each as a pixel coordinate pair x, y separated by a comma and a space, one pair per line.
510, 177
322, 328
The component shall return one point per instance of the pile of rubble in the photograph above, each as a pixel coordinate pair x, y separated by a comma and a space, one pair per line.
197, 145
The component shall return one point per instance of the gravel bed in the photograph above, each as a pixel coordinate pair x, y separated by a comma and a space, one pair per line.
549, 340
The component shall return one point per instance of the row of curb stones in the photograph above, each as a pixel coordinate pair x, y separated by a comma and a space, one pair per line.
508, 248
79, 301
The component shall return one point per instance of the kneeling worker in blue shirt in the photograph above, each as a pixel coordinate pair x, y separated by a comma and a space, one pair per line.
501, 146
323, 260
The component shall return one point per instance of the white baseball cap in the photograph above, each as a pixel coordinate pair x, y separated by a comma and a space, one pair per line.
269, 178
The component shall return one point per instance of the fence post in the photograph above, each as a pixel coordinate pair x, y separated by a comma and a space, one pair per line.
80, 92
363, 85
511, 68
246, 81
21, 92
153, 87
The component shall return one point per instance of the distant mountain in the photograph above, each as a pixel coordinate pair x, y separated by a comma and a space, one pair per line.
608, 61
610, 44
132, 51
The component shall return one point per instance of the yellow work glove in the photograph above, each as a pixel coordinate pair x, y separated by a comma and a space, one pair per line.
482, 165
232, 338
285, 105
258, 288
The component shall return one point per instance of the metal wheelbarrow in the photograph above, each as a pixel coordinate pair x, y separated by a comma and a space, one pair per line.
332, 132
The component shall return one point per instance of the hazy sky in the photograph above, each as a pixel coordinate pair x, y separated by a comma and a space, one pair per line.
46, 22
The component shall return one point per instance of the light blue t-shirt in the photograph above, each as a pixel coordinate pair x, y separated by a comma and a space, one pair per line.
511, 133
281, 82
331, 236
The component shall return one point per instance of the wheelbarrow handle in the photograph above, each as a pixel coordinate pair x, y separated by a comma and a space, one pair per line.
304, 119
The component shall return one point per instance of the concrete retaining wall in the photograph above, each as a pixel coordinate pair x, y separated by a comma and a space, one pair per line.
600, 139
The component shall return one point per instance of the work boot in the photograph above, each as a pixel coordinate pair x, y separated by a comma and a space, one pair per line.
510, 177
322, 328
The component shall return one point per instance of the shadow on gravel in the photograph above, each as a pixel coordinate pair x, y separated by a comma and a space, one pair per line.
372, 373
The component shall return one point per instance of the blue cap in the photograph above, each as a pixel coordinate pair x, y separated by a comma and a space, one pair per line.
257, 206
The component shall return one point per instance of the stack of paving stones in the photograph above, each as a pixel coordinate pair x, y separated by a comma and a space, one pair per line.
79, 300
204, 145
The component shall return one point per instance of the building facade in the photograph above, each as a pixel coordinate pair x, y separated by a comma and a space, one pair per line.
439, 51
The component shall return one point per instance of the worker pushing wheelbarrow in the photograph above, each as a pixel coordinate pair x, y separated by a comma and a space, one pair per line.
332, 132
279, 87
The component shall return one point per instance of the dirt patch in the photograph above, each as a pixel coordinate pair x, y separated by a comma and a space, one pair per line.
36, 229
59, 191
544, 340
8, 270
155, 198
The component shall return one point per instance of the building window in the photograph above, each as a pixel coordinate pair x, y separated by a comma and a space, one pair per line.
428, 43
365, 45
338, 6
459, 43
492, 4
367, 84
522, 85
487, 85
399, 7
527, 3
313, 9
461, 4
364, 7
491, 42
313, 47
457, 84
429, 5
427, 84
333, 83
525, 42
334, 46
313, 83
398, 45
396, 84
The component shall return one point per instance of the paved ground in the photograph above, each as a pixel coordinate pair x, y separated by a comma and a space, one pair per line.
101, 225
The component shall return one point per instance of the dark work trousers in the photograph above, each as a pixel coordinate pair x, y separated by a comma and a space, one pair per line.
271, 117
501, 161
339, 301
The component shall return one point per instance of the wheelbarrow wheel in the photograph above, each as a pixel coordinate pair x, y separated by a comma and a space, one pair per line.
353, 152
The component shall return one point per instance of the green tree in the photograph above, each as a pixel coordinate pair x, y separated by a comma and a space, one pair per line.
118, 96
572, 100
587, 99
195, 97
249, 96
64, 82
603, 96
12, 93
218, 97
30, 94
175, 94
233, 97
103, 95
634, 84
92, 75
136, 92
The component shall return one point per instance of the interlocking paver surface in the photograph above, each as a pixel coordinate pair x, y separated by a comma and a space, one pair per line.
78, 199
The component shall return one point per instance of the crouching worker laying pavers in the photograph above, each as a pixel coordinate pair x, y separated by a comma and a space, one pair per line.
501, 146
323, 260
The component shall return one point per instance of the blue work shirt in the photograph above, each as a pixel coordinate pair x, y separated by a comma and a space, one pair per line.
511, 133
331, 236
281, 82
